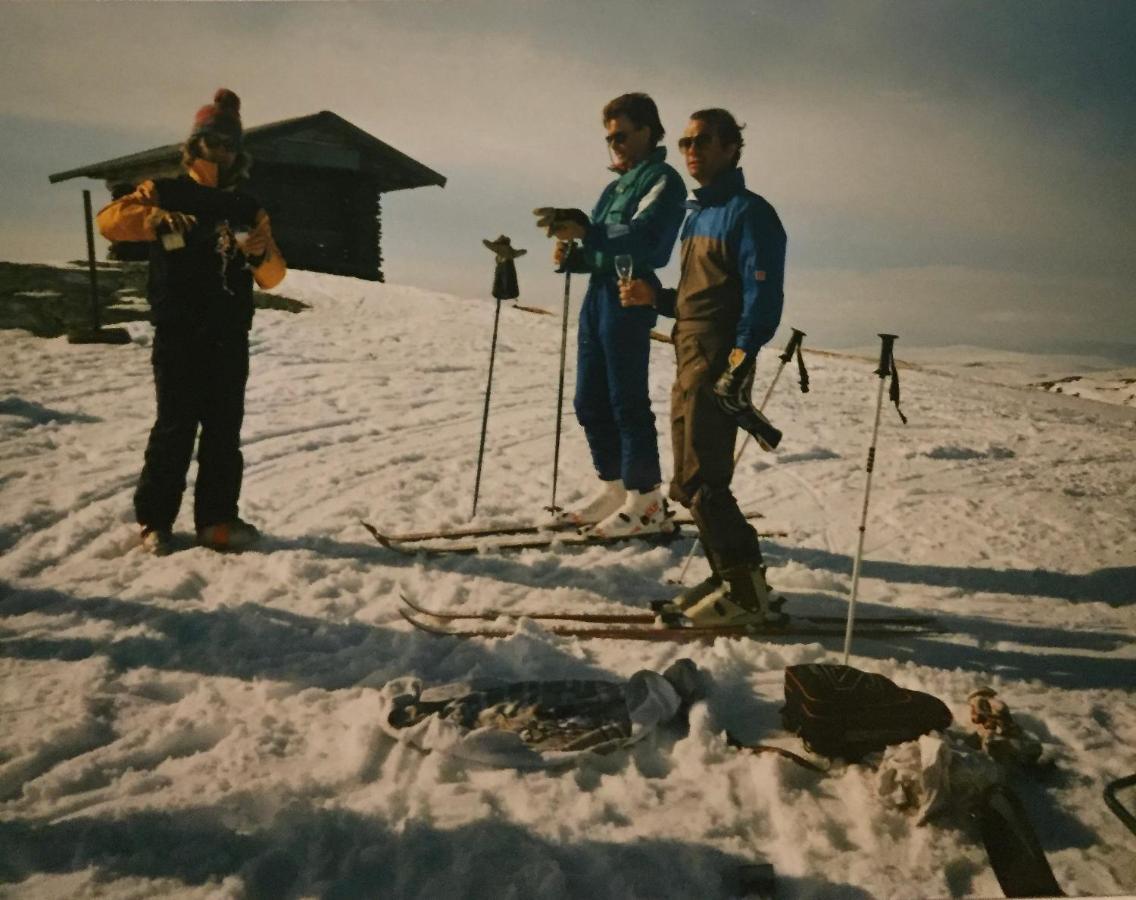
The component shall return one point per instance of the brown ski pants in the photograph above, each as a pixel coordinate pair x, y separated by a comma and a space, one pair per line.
703, 440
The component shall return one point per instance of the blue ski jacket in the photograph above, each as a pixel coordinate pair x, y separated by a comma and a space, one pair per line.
733, 264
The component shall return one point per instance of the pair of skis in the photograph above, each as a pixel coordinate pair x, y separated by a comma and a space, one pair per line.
641, 626
517, 536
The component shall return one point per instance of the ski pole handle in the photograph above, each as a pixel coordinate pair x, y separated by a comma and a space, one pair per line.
791, 347
562, 269
886, 354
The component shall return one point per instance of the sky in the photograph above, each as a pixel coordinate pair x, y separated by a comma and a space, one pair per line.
953, 172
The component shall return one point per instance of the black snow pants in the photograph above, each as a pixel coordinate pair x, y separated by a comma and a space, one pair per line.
199, 377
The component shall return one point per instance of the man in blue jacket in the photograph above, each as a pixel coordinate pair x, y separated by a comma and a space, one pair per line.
727, 305
638, 216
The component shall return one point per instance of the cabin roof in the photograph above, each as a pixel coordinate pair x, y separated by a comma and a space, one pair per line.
310, 140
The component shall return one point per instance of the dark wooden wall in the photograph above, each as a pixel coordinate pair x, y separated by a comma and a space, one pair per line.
325, 220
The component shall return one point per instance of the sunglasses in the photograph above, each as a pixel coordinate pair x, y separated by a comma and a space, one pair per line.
616, 137
218, 142
701, 141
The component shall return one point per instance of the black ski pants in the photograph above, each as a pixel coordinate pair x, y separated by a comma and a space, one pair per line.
703, 440
199, 377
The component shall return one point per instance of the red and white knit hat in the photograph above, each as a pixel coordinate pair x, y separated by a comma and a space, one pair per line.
221, 117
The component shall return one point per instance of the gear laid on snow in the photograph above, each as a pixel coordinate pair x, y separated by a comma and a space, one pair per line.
998, 734
839, 711
537, 724
642, 512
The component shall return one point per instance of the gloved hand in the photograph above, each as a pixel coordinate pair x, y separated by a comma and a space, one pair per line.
256, 244
734, 386
163, 221
564, 224
733, 391
560, 253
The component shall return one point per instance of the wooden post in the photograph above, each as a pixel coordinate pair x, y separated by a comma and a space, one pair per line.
97, 334
96, 323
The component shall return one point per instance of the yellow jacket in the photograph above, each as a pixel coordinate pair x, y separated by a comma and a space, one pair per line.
131, 217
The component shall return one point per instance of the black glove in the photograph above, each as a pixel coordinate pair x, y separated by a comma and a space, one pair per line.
733, 388
556, 222
733, 391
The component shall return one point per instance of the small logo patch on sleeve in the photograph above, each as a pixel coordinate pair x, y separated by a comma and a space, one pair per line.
759, 275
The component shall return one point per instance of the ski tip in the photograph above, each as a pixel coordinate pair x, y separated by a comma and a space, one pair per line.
422, 626
376, 534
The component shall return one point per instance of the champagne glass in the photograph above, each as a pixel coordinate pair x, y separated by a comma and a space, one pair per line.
623, 267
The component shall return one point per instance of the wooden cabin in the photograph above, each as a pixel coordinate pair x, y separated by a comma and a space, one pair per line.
320, 178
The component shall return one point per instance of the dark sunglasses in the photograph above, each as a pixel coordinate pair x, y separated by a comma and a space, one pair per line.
700, 141
218, 142
616, 137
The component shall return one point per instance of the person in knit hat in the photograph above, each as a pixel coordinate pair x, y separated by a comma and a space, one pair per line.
208, 242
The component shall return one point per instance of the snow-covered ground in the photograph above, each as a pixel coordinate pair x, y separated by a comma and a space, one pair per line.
204, 725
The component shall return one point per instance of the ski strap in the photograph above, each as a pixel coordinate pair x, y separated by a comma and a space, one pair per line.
893, 391
887, 367
794, 346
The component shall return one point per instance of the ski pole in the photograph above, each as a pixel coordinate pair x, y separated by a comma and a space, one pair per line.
485, 414
794, 346
565, 267
886, 368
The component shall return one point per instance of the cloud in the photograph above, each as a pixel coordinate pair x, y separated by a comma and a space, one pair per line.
914, 142
939, 305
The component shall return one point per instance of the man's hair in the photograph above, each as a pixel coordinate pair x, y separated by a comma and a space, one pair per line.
640, 109
725, 126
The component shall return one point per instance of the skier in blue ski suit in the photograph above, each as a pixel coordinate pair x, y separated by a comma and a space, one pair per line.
638, 215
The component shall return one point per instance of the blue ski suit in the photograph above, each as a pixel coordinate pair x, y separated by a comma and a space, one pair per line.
638, 214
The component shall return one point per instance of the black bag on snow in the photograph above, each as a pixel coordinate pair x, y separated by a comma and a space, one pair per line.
842, 712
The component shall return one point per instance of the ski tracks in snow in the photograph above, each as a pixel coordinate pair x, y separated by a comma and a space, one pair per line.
244, 686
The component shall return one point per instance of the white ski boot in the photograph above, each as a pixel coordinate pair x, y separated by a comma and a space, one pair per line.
597, 506
743, 599
672, 611
642, 512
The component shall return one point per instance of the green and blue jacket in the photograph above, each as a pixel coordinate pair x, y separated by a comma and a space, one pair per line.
638, 214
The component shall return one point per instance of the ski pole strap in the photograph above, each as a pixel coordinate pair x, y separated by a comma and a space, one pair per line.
893, 391
802, 372
794, 346
887, 367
